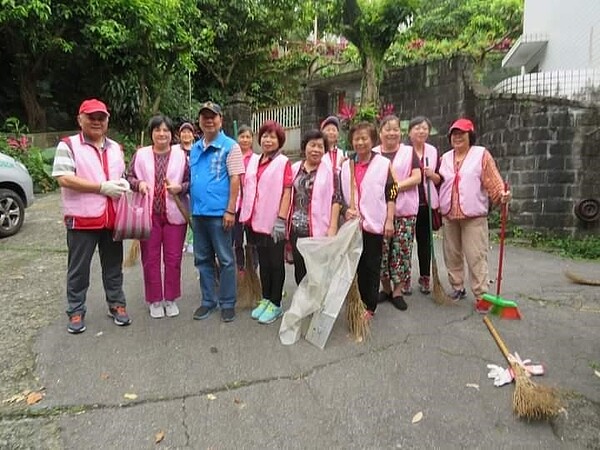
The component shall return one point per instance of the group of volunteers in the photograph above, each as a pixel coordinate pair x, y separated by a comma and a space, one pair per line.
234, 195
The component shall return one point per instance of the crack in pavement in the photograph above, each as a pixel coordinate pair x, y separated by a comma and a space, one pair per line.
186, 431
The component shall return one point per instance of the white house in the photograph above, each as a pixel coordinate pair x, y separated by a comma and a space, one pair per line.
558, 52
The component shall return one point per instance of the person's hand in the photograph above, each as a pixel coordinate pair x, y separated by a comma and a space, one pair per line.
112, 188
278, 233
388, 228
331, 232
143, 188
123, 182
429, 172
172, 188
351, 213
228, 220
500, 375
505, 197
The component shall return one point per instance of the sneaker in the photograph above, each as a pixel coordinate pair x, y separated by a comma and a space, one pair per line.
270, 314
189, 248
458, 294
262, 305
384, 297
227, 315
76, 324
424, 285
156, 310
399, 303
171, 309
203, 312
481, 306
119, 315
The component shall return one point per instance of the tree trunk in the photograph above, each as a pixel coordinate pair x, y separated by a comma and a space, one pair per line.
36, 114
371, 80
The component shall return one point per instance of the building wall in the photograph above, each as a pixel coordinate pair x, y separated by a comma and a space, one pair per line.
572, 28
549, 149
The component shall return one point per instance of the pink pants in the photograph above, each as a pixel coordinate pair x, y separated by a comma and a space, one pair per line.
168, 239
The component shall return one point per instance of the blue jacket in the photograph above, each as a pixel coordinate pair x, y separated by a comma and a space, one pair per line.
209, 179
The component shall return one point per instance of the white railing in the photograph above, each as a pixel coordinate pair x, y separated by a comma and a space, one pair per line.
582, 85
288, 116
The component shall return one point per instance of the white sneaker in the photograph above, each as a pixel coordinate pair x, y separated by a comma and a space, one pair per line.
171, 309
190, 248
156, 310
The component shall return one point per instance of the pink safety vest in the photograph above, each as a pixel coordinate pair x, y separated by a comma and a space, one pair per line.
407, 202
372, 205
473, 198
144, 169
430, 155
319, 208
88, 165
340, 157
238, 202
260, 204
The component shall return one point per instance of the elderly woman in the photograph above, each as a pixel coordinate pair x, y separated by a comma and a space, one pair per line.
470, 179
316, 197
374, 195
396, 260
418, 133
265, 207
161, 171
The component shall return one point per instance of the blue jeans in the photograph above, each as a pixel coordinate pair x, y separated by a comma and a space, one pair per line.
211, 239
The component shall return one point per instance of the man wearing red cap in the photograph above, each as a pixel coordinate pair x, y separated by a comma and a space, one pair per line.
470, 179
88, 167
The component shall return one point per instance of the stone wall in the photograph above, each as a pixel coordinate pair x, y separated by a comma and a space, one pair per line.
548, 149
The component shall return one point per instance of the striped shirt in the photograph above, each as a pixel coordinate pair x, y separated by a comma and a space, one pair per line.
64, 161
235, 160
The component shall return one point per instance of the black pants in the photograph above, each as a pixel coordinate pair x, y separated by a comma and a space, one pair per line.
271, 265
299, 264
423, 241
369, 266
82, 245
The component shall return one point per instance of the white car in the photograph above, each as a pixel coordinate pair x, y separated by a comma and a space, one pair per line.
16, 194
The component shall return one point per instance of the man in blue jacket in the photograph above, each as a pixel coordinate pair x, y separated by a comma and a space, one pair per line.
216, 164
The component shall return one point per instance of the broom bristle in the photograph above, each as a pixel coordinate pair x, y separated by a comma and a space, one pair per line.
574, 278
533, 401
133, 254
355, 313
438, 293
249, 288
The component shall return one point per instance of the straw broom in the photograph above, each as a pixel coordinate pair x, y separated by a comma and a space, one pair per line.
355, 308
438, 293
531, 401
574, 278
248, 286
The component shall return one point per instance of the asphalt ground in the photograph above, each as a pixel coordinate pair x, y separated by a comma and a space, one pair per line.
212, 385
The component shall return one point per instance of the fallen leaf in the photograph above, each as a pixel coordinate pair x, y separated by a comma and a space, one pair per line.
472, 385
597, 373
237, 401
417, 417
104, 376
99, 333
130, 396
34, 397
158, 437
211, 397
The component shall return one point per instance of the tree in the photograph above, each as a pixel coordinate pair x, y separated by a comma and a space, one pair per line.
372, 26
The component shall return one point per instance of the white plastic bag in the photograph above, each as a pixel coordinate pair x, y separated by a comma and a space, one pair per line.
331, 264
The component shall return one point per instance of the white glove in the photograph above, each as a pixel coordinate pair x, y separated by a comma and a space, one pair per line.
278, 233
532, 369
500, 375
123, 182
113, 188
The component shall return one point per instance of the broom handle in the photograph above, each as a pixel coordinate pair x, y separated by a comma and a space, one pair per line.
499, 342
503, 218
429, 211
351, 183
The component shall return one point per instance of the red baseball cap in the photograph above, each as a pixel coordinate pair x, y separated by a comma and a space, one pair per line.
93, 105
462, 125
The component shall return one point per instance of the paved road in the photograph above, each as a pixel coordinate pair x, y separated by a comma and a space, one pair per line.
210, 385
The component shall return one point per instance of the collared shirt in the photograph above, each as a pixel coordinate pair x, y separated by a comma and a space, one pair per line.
235, 159
491, 181
303, 187
264, 162
360, 169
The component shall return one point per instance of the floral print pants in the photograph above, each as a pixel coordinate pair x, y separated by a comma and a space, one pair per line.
397, 251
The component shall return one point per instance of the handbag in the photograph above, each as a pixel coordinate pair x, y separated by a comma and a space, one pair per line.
436, 219
133, 217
